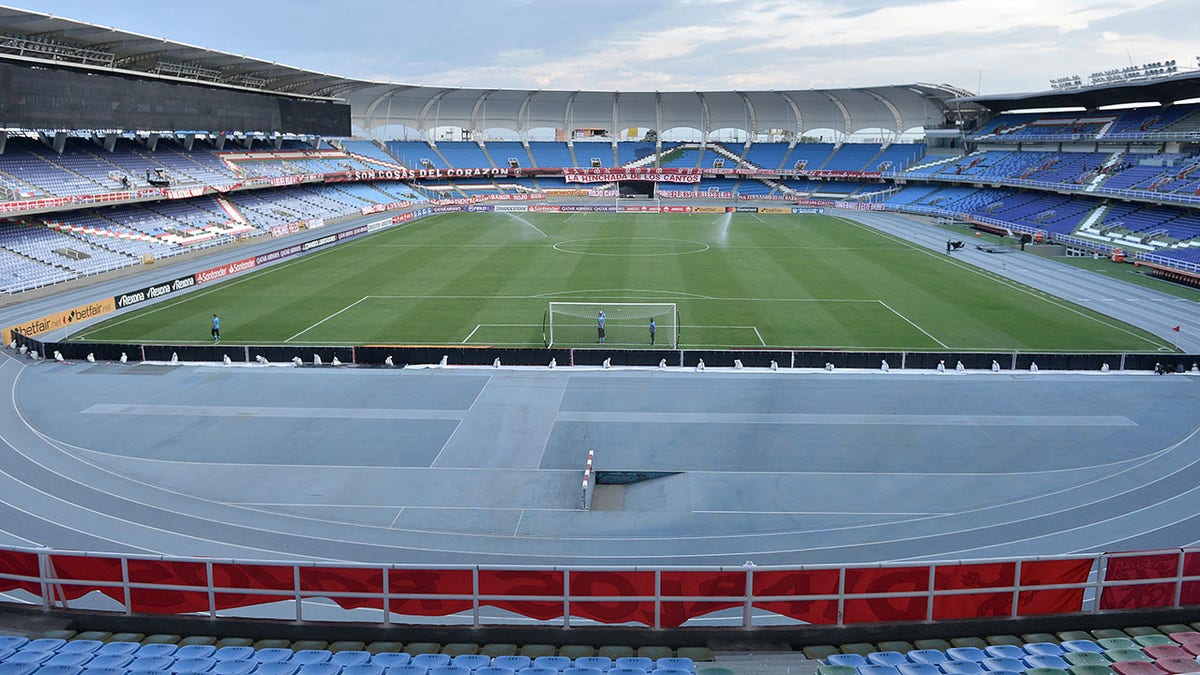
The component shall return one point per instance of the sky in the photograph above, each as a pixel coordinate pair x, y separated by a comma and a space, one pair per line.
984, 46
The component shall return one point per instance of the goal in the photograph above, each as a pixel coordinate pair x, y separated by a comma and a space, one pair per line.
626, 324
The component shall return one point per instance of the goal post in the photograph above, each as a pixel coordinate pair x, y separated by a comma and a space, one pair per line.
626, 324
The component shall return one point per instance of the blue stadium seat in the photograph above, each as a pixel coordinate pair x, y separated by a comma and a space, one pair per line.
889, 658
118, 648
626, 671
158, 649
1081, 646
193, 666
19, 668
69, 659
471, 661
994, 664
391, 659
362, 669
877, 670
150, 664
1004, 652
634, 662
495, 670
431, 660
273, 655
81, 647
12, 641
918, 669
30, 657
517, 661
952, 667
234, 653
575, 670
321, 668
351, 657
559, 663
44, 644
537, 670
680, 662
277, 668
933, 657
1043, 649
966, 654
407, 669
450, 670
103, 671
115, 661
1046, 661
305, 657
672, 671
234, 666
854, 660
59, 670
195, 652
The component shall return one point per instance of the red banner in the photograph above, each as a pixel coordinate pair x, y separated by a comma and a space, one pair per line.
702, 584
1137, 596
799, 582
429, 582
168, 573
886, 580
20, 564
220, 272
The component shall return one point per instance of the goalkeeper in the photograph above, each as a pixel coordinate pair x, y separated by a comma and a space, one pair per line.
600, 326
652, 327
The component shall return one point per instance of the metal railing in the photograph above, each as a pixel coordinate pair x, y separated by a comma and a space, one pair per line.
655, 597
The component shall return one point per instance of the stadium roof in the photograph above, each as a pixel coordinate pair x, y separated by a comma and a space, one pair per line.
1180, 87
36, 38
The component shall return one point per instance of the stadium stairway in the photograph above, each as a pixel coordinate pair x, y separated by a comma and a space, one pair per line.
761, 663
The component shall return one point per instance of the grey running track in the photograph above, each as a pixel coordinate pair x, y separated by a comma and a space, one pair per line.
484, 465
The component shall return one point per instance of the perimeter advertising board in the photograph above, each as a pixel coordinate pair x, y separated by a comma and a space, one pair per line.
61, 319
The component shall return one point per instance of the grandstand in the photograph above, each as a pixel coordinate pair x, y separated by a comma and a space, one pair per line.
436, 495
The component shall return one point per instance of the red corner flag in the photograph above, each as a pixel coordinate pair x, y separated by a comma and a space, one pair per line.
1176, 329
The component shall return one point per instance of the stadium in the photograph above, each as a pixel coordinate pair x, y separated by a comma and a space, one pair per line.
316, 374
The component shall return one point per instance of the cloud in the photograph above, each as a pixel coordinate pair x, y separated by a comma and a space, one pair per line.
631, 45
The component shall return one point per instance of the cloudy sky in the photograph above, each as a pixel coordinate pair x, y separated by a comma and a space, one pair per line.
987, 46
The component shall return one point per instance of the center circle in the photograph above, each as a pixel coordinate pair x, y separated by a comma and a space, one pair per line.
631, 247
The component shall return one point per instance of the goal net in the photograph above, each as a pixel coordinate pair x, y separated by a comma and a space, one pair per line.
625, 324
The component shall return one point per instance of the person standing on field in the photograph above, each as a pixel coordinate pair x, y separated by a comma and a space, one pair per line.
600, 326
652, 327
216, 329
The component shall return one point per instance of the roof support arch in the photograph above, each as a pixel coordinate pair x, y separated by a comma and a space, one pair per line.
897, 118
837, 102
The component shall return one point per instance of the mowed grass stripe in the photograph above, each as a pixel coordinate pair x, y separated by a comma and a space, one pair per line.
801, 281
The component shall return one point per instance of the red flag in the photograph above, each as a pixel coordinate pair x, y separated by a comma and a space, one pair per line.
1176, 329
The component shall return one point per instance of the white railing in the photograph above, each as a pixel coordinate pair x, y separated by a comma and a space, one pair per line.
656, 597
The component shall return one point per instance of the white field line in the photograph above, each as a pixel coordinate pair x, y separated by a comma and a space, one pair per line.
472, 333
1040, 295
327, 318
764, 342
914, 325
258, 272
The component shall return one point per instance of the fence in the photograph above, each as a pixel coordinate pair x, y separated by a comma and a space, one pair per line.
655, 597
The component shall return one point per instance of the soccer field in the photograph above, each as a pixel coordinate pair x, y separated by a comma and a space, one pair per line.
738, 281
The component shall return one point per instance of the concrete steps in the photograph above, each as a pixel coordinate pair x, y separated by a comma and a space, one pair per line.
784, 662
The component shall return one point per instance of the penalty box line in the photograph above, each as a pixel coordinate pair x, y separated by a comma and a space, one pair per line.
537, 325
347, 307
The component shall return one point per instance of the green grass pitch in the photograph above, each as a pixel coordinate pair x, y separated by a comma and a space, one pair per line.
739, 281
